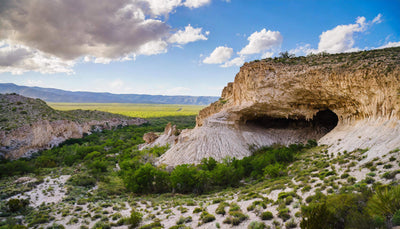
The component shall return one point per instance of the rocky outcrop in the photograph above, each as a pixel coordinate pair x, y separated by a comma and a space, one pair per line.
346, 101
169, 137
46, 134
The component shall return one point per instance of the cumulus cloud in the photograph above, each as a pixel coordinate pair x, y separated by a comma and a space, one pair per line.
196, 3
100, 31
261, 41
70, 29
18, 59
190, 34
163, 7
220, 55
238, 61
341, 38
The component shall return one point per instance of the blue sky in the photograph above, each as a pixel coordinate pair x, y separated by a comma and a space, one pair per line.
171, 47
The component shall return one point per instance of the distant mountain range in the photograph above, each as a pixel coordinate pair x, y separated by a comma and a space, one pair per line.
57, 95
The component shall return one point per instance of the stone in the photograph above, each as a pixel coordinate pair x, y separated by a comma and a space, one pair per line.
348, 104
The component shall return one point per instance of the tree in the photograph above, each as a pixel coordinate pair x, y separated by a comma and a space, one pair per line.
286, 55
385, 203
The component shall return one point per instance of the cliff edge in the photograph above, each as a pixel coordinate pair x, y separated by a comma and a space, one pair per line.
346, 101
28, 125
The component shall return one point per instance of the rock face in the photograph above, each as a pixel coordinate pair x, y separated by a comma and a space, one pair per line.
346, 101
46, 134
170, 137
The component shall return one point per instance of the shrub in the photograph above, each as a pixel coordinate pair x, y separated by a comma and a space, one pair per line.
83, 179
267, 215
275, 170
197, 210
396, 218
256, 225
183, 220
291, 224
206, 217
221, 208
135, 218
17, 205
156, 224
284, 214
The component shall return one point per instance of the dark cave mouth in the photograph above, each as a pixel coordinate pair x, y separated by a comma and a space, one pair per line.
323, 121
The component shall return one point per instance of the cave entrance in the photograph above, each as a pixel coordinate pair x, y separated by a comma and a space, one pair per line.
322, 123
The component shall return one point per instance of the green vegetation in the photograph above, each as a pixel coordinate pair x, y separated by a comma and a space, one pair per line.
132, 109
17, 111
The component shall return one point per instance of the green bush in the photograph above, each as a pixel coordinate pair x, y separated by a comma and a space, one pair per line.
153, 225
206, 217
17, 205
267, 215
396, 218
135, 218
256, 225
83, 179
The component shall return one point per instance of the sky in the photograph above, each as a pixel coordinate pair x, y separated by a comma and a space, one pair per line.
176, 47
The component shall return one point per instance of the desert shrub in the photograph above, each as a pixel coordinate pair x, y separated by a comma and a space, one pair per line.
17, 205
221, 208
206, 217
83, 179
385, 203
284, 214
291, 224
153, 225
275, 170
396, 218
256, 225
135, 218
197, 210
267, 215
183, 220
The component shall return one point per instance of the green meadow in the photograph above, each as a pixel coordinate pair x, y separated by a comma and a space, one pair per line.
133, 110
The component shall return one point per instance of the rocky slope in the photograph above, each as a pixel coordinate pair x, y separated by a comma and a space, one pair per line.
346, 101
28, 125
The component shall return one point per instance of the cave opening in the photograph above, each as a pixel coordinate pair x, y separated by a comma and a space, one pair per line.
322, 123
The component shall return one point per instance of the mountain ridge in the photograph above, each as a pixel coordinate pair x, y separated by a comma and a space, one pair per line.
58, 95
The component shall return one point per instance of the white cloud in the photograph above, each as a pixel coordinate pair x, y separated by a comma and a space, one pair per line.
238, 61
302, 50
341, 38
220, 55
261, 41
267, 55
18, 59
117, 30
389, 45
377, 19
195, 3
190, 34
153, 48
163, 7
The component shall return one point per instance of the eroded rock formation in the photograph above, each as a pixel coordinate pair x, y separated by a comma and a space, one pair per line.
346, 101
170, 137
46, 134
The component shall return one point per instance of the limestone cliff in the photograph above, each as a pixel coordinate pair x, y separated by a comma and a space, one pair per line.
29, 125
346, 101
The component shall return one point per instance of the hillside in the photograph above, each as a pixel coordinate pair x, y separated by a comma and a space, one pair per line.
346, 101
56, 95
28, 125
